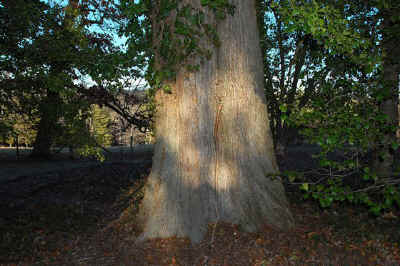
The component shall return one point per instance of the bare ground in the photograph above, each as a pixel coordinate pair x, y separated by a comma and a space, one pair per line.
84, 216
12, 167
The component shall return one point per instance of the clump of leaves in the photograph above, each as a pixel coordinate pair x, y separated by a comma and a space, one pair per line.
348, 133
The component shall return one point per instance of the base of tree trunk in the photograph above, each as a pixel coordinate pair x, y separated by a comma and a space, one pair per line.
383, 167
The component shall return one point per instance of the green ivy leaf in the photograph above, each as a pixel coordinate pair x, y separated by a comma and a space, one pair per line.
304, 186
283, 108
291, 178
395, 145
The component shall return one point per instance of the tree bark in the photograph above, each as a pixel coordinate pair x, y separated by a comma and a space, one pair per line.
49, 115
214, 147
384, 158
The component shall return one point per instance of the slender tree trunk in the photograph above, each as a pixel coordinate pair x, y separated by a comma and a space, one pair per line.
385, 155
17, 145
214, 147
49, 114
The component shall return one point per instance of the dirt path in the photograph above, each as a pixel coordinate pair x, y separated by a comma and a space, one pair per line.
11, 169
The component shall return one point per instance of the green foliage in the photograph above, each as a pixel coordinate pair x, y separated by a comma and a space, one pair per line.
100, 126
355, 130
5, 131
344, 114
85, 129
330, 25
48, 47
14, 126
220, 7
75, 132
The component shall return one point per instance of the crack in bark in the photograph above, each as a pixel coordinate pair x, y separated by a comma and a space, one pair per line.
216, 139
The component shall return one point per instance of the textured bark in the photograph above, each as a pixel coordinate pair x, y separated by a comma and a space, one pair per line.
383, 165
214, 147
49, 114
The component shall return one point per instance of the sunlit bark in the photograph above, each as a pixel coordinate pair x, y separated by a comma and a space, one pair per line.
214, 147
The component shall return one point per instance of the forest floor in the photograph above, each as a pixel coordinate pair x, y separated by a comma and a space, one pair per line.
83, 216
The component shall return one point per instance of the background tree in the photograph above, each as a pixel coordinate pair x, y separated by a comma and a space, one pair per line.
388, 100
51, 53
290, 57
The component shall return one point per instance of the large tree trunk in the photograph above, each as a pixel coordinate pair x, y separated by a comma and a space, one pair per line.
385, 155
49, 115
214, 147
